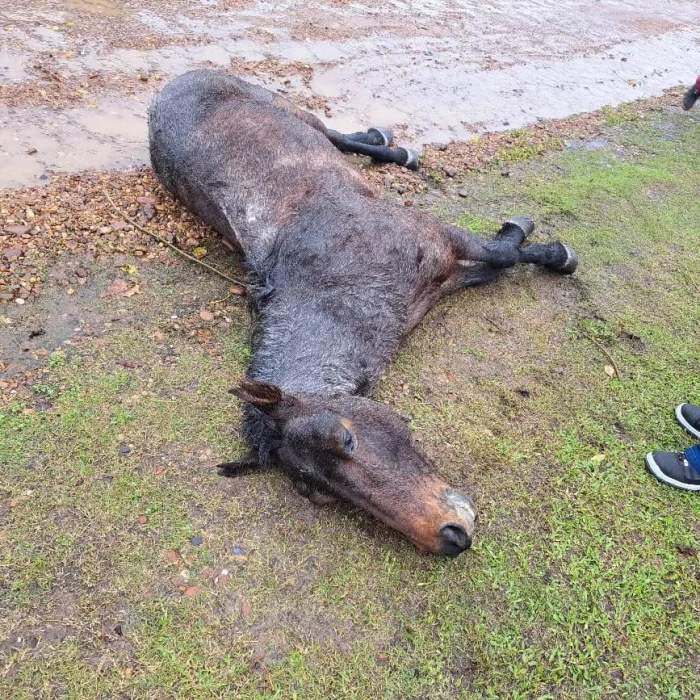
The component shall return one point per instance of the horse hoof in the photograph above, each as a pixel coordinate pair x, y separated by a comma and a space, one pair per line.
381, 136
524, 223
570, 263
411, 160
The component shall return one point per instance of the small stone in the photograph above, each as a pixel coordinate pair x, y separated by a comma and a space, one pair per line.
449, 171
124, 449
31, 151
142, 519
18, 230
19, 301
246, 608
173, 556
239, 553
206, 315
116, 288
222, 578
12, 253
191, 591
197, 540
463, 193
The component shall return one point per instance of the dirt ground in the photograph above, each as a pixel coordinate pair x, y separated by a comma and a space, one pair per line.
76, 77
130, 568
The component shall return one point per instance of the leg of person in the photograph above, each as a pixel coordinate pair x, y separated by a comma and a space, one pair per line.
688, 416
692, 96
679, 469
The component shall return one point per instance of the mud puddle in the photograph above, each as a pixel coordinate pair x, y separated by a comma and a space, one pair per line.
109, 135
435, 71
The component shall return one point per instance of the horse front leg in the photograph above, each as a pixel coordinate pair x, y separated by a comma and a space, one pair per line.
506, 249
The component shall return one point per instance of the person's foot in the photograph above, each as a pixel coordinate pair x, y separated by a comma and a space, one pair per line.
679, 469
688, 416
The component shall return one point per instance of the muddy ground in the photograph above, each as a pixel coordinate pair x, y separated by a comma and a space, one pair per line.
76, 76
130, 568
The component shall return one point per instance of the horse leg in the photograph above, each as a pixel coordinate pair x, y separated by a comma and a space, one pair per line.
361, 143
505, 250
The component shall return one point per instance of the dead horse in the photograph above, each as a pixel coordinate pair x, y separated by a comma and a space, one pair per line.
340, 277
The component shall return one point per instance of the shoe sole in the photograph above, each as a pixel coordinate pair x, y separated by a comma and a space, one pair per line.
656, 471
684, 422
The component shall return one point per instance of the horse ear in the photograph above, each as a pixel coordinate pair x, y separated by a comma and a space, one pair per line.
261, 395
268, 398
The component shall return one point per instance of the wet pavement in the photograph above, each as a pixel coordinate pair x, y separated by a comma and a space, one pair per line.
76, 76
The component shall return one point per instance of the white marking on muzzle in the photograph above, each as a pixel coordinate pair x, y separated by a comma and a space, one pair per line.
463, 505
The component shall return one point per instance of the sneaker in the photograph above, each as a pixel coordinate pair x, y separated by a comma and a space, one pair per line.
679, 469
688, 416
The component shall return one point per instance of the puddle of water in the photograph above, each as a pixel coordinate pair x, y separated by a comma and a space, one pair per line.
437, 70
440, 103
12, 66
112, 134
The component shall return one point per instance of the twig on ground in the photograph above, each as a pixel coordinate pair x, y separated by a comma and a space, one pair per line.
162, 240
493, 323
605, 351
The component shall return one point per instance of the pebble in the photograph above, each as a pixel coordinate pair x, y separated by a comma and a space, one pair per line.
197, 540
239, 553
12, 253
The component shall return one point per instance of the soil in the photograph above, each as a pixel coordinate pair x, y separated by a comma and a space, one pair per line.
76, 78
78, 281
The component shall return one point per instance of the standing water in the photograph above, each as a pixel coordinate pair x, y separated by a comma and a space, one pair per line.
75, 82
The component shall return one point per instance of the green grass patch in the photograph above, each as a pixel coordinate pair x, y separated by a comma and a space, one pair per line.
582, 582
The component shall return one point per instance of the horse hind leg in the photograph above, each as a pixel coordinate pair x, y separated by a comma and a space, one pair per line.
373, 143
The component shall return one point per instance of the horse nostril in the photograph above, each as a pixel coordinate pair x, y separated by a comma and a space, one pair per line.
454, 540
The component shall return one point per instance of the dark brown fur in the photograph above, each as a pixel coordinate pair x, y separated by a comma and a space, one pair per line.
340, 276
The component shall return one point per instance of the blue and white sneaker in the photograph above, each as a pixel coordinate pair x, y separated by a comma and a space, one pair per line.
688, 416
679, 469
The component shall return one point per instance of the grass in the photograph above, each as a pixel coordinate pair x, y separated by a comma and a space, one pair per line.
583, 582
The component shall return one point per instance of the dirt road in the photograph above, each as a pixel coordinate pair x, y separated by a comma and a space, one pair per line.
76, 76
